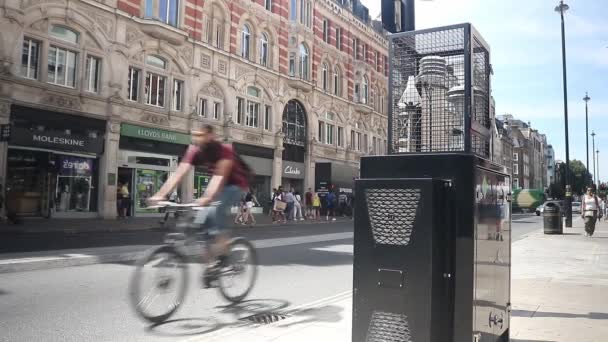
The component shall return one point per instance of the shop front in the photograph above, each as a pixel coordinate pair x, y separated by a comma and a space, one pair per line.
52, 164
293, 176
146, 158
260, 161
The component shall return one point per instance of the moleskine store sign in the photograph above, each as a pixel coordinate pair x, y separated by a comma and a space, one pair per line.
154, 134
56, 140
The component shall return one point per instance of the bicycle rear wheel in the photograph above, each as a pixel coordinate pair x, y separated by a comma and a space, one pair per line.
238, 277
159, 283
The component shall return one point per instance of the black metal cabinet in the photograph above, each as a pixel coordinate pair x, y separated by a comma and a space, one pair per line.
432, 249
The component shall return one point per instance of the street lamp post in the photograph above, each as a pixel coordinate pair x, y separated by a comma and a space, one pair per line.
593, 155
561, 8
586, 99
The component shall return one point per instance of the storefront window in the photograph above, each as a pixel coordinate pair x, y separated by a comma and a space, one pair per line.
147, 183
74, 183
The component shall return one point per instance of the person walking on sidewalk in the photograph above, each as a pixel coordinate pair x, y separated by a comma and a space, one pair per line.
278, 207
309, 210
297, 209
316, 206
590, 211
602, 208
330, 206
290, 199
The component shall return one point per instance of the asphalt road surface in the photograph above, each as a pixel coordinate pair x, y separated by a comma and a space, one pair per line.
299, 265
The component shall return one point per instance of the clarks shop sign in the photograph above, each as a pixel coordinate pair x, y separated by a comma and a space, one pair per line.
56, 141
293, 170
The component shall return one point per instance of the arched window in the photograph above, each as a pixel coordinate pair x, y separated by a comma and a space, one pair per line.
303, 62
325, 76
64, 33
365, 87
336, 81
245, 42
294, 124
156, 62
264, 50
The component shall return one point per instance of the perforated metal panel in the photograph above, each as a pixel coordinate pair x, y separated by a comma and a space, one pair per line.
392, 213
388, 327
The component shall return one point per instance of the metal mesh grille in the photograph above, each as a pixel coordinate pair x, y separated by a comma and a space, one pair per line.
385, 327
427, 79
392, 213
427, 84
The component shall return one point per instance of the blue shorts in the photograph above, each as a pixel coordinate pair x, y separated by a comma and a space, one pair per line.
214, 218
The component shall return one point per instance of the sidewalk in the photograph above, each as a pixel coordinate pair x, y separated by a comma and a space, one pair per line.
559, 294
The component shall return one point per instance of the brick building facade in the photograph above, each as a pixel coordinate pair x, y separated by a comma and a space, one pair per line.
104, 92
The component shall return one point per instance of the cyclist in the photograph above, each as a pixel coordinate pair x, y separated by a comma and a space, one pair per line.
230, 179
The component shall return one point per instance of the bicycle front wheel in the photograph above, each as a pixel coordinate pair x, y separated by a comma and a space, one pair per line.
238, 276
159, 284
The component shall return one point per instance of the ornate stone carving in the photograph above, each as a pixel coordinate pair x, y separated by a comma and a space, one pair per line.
30, 3
213, 90
240, 71
205, 61
155, 119
106, 24
5, 109
187, 54
41, 26
133, 35
253, 137
222, 67
138, 57
114, 127
62, 101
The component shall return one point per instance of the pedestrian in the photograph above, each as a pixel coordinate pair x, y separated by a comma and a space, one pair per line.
279, 207
590, 211
298, 207
330, 204
342, 201
125, 200
316, 206
271, 203
309, 210
602, 208
289, 198
250, 202
240, 213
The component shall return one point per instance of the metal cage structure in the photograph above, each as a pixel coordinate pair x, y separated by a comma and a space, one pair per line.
439, 92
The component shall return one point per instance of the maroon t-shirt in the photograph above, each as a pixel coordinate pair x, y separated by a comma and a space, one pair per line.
238, 175
308, 198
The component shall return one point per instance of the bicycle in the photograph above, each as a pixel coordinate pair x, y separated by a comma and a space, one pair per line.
172, 258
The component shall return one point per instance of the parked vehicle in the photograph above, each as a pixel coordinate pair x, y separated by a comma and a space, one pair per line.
576, 207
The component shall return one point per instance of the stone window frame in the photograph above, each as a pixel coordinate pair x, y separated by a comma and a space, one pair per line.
171, 73
263, 103
216, 25
82, 49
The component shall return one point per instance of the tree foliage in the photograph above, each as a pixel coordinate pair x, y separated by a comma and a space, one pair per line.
579, 177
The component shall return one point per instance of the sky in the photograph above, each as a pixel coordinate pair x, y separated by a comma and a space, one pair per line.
525, 43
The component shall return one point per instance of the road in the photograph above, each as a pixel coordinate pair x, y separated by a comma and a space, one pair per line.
299, 265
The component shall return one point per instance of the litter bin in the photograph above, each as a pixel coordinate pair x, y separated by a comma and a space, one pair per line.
552, 219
